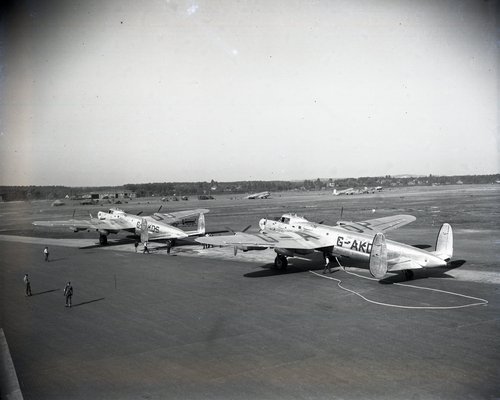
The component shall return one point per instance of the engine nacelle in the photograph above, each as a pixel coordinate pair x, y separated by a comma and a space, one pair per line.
284, 252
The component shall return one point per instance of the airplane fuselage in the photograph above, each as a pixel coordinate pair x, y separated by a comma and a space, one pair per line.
349, 242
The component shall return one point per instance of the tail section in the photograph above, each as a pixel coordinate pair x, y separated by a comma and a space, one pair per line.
444, 243
201, 227
378, 257
144, 230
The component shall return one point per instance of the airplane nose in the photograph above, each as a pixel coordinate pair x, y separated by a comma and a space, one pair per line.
262, 224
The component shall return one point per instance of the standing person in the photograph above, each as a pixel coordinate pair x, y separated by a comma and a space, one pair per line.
327, 264
146, 250
68, 293
46, 253
169, 246
136, 244
28, 285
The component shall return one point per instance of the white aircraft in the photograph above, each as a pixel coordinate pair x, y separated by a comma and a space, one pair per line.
342, 192
363, 241
261, 195
155, 227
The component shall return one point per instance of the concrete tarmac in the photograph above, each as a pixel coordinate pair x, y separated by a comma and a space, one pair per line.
173, 327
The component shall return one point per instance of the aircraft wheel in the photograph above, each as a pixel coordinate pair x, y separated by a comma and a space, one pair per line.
103, 240
280, 262
408, 274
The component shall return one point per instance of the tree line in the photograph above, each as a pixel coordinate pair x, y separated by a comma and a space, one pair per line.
27, 193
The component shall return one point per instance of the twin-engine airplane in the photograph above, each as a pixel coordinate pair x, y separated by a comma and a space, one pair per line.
155, 227
364, 241
261, 195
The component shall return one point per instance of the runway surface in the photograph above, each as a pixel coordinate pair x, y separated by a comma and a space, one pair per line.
203, 324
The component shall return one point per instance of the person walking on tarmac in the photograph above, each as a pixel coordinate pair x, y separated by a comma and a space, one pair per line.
46, 253
327, 264
28, 285
169, 246
68, 293
145, 250
136, 244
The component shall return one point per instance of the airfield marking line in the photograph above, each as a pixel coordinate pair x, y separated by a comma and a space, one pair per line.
482, 302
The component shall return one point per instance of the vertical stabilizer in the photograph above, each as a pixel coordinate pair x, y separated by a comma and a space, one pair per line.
378, 257
201, 224
444, 242
144, 230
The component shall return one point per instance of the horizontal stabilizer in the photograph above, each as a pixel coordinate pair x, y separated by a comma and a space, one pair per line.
403, 265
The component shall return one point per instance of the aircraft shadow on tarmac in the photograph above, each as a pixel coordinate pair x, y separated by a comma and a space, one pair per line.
424, 274
269, 270
46, 291
421, 246
87, 302
118, 242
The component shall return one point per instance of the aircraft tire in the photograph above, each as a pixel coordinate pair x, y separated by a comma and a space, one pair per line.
280, 262
103, 240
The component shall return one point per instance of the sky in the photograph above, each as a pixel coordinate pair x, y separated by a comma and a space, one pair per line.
97, 93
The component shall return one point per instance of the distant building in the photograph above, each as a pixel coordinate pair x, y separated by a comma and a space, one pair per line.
113, 195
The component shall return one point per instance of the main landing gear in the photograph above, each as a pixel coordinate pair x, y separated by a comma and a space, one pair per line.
280, 262
103, 240
408, 274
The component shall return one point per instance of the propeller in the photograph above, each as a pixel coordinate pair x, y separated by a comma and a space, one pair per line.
159, 208
341, 212
139, 213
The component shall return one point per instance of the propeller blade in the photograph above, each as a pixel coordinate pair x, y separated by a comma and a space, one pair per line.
159, 208
229, 229
139, 213
247, 228
321, 222
341, 212
235, 250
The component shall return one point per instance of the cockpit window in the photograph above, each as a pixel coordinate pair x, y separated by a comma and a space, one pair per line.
157, 218
285, 220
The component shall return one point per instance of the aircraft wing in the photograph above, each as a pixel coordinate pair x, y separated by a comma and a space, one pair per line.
81, 225
177, 216
383, 224
288, 240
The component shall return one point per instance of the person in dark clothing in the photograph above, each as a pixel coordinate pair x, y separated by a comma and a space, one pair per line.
46, 253
146, 250
169, 246
68, 293
136, 244
28, 285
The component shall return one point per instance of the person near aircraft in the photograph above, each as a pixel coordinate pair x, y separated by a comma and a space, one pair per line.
327, 264
169, 246
28, 284
145, 250
68, 293
136, 244
46, 253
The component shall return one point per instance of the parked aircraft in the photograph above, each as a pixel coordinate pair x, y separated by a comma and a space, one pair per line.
155, 227
351, 191
365, 241
261, 195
